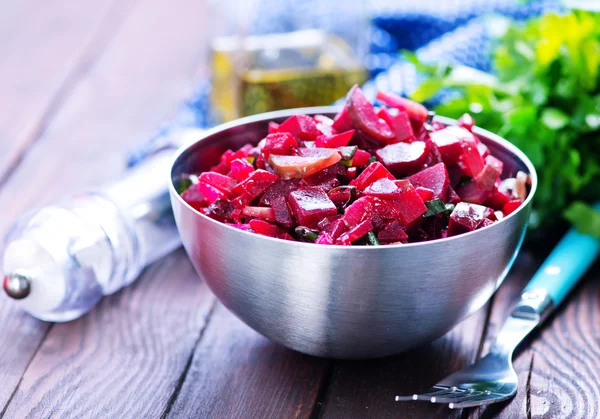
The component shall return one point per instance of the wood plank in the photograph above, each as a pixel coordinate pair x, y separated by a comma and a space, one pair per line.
46, 48
558, 367
143, 77
124, 359
237, 373
367, 389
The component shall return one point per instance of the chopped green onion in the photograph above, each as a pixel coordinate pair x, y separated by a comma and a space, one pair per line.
465, 179
434, 207
372, 239
306, 234
346, 163
182, 185
250, 159
347, 152
372, 159
450, 207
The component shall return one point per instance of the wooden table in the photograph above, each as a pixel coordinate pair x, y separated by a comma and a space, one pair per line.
83, 81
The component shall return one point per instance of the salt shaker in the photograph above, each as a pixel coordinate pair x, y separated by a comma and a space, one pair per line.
61, 260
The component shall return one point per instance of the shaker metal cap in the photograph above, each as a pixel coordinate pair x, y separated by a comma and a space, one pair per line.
17, 286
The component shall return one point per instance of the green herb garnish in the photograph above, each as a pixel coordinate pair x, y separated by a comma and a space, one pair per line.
545, 98
306, 234
372, 239
434, 207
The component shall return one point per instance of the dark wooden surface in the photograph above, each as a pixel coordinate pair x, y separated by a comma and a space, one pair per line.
83, 81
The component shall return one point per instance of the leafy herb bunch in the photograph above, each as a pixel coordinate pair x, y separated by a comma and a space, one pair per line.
544, 98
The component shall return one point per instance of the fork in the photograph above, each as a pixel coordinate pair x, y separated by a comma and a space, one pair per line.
493, 379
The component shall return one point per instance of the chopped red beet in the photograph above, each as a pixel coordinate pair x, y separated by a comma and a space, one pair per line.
466, 217
511, 206
361, 158
490, 174
473, 193
310, 205
400, 125
373, 172
466, 121
448, 144
403, 158
280, 143
334, 140
426, 194
223, 183
264, 213
342, 121
393, 233
302, 127
296, 167
240, 169
273, 127
364, 117
355, 233
497, 199
256, 183
417, 112
316, 175
434, 178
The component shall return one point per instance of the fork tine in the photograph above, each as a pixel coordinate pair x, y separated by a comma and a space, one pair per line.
433, 391
458, 397
478, 401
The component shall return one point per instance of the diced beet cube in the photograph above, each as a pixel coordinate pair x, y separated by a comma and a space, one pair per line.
334, 140
273, 127
223, 183
194, 197
280, 188
511, 206
358, 211
351, 173
426, 194
336, 228
434, 178
282, 212
455, 173
372, 172
266, 229
417, 112
241, 201
409, 203
385, 208
211, 193
402, 159
364, 117
383, 188
242, 153
466, 121
281, 143
286, 236
342, 121
490, 173
483, 150
326, 179
324, 238
302, 127
393, 233
355, 233
497, 199
264, 213
471, 157
379, 222
240, 169
418, 235
466, 217
472, 193
448, 144
433, 227
400, 125
296, 167
219, 210
341, 196
486, 222
451, 196
310, 205
361, 158
256, 183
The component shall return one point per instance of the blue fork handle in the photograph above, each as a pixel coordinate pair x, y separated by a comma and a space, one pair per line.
565, 266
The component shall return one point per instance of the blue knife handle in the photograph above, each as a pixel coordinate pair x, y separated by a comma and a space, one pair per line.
565, 266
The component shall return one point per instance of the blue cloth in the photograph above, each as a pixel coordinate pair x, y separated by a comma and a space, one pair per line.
451, 30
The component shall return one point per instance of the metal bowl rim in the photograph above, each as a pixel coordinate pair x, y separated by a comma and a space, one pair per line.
267, 116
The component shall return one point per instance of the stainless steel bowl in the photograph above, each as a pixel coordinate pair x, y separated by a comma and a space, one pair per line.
337, 301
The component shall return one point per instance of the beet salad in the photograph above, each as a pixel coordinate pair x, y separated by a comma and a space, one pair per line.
371, 176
